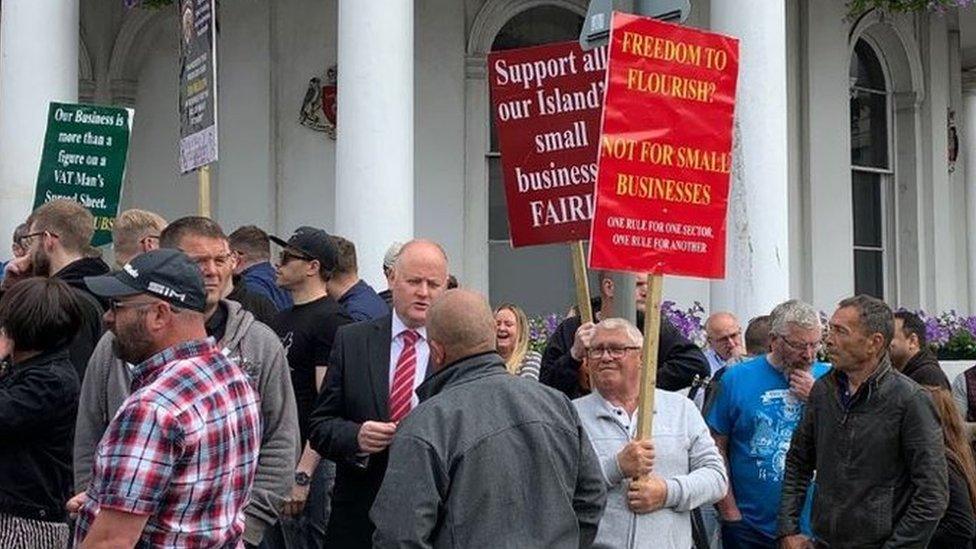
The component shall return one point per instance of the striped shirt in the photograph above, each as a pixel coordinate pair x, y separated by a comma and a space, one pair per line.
182, 449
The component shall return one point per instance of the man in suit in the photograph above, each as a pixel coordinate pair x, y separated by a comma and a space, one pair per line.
373, 370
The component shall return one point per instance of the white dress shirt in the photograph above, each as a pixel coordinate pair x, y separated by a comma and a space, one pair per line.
423, 355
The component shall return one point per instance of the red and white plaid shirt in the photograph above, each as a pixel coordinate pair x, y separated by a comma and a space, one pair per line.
182, 449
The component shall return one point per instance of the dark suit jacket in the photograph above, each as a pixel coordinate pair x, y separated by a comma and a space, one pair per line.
356, 390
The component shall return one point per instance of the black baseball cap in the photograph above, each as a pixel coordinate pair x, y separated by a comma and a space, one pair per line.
313, 243
168, 274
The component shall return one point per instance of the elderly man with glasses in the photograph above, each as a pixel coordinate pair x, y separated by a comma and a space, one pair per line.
684, 468
753, 416
725, 348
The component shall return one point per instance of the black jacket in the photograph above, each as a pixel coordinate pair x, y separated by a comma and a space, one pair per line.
261, 307
92, 309
880, 463
38, 404
678, 360
958, 526
489, 460
924, 369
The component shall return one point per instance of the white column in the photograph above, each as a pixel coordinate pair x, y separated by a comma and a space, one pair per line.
967, 151
374, 145
757, 271
38, 64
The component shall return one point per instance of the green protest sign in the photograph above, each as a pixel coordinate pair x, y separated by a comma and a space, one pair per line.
84, 157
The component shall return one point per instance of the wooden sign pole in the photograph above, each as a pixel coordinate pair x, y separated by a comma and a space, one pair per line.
585, 377
582, 285
203, 180
652, 331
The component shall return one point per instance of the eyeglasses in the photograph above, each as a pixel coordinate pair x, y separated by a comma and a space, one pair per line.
115, 304
285, 257
730, 337
614, 352
802, 346
26, 240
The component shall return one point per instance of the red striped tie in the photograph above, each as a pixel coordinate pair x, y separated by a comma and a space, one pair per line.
401, 392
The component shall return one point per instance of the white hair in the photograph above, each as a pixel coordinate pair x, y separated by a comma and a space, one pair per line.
614, 324
391, 254
795, 312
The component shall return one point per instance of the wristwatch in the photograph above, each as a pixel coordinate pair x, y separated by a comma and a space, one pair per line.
302, 479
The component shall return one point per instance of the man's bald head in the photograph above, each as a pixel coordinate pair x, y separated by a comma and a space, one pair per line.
720, 319
725, 335
421, 249
460, 324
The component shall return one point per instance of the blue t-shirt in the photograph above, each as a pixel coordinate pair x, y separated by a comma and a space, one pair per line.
756, 411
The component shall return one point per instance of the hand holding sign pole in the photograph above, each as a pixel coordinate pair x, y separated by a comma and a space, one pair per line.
664, 162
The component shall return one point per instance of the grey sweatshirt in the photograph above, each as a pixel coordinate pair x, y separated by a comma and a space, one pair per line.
685, 456
257, 349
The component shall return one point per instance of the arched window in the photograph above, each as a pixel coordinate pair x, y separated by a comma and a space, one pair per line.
872, 174
538, 278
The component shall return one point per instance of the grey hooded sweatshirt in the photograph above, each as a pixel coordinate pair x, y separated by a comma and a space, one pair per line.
258, 351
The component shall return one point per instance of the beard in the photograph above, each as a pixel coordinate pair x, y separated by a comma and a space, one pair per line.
40, 263
132, 342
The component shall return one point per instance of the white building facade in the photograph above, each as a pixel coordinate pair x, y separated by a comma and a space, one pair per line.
855, 139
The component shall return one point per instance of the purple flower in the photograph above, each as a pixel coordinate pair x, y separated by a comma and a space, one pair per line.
689, 322
552, 321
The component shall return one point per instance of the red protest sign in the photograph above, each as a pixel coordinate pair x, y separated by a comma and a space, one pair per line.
546, 103
665, 150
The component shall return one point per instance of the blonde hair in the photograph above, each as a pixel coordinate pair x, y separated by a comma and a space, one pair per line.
133, 225
521, 348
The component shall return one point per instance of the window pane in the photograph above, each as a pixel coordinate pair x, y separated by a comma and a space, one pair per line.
867, 209
869, 129
866, 69
497, 212
869, 273
537, 278
537, 26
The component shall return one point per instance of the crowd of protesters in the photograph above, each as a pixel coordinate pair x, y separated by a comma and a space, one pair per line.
207, 393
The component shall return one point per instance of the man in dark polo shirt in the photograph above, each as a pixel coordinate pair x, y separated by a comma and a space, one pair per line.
357, 298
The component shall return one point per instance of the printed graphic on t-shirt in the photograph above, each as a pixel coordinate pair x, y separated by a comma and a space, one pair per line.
776, 418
